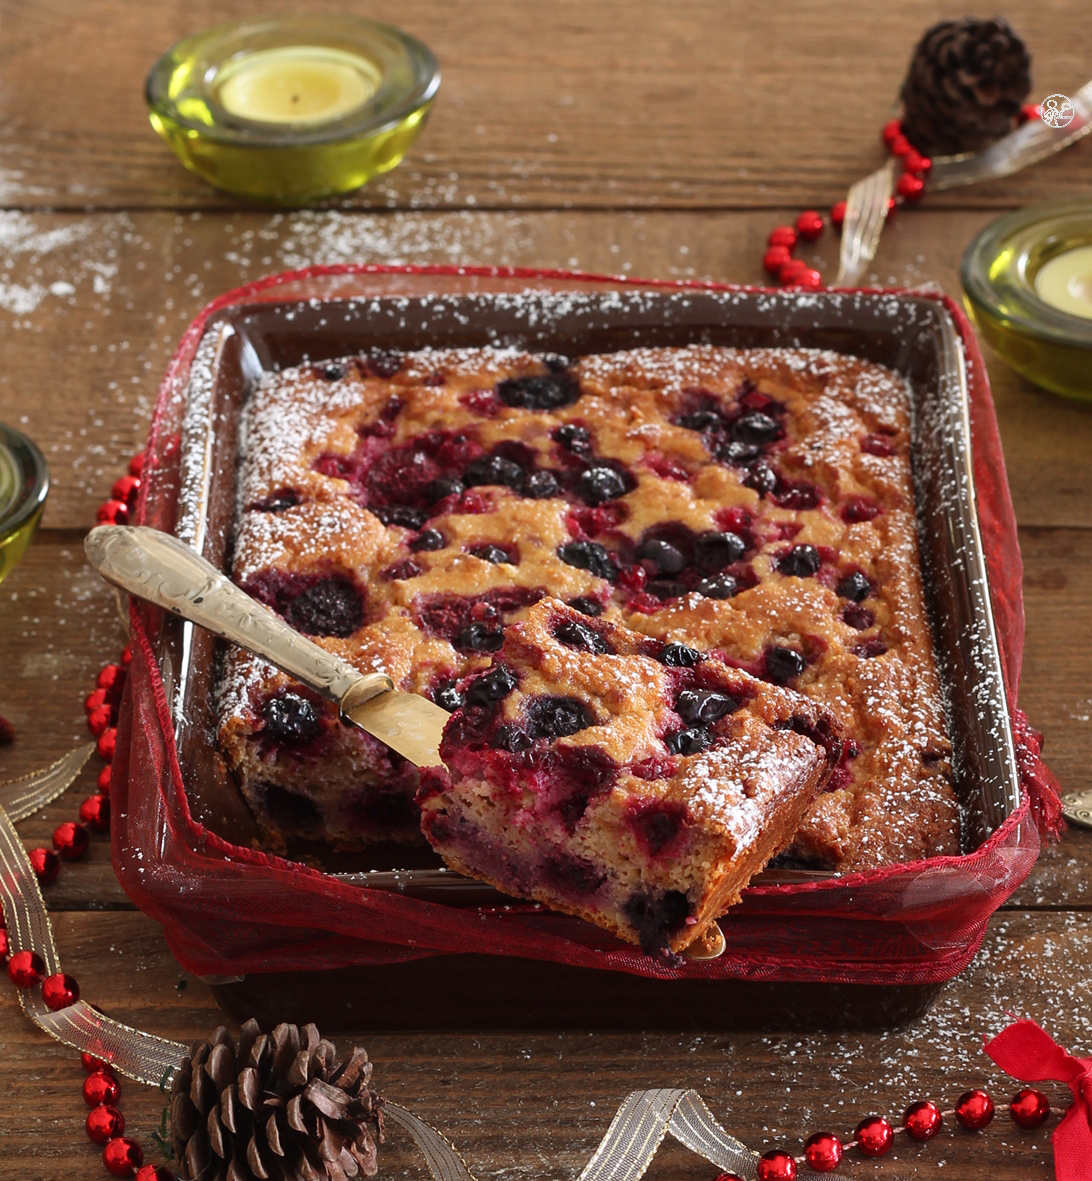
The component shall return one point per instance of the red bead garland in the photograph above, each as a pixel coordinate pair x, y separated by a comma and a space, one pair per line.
922, 1120
25, 968
101, 1087
95, 813
776, 1166
974, 1109
874, 1136
823, 1152
4, 947
60, 990
122, 1156
46, 865
104, 1123
1029, 1108
71, 840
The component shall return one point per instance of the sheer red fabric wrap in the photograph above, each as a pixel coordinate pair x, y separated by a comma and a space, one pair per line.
231, 910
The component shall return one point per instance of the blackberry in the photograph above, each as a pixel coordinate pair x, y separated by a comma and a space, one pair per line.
491, 687
448, 697
512, 739
802, 561
543, 392
332, 607
586, 606
540, 486
854, 586
590, 556
756, 428
782, 664
427, 539
580, 635
494, 469
600, 484
400, 514
478, 637
576, 439
555, 717
290, 719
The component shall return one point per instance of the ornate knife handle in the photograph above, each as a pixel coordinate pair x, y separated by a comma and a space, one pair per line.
158, 567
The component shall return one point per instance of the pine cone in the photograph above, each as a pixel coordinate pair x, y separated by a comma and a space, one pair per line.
280, 1108
965, 87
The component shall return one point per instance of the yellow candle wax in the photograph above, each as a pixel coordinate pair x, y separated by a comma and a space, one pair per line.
296, 84
1065, 282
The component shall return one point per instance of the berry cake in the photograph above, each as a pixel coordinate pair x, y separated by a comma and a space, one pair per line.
628, 780
403, 510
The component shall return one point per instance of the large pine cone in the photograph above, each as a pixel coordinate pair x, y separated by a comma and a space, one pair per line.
965, 87
280, 1107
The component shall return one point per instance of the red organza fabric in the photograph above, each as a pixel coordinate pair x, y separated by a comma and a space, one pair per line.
230, 910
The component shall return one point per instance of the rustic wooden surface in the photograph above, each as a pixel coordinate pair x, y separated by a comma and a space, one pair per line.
623, 137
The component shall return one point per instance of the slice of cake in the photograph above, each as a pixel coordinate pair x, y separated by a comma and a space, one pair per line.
636, 783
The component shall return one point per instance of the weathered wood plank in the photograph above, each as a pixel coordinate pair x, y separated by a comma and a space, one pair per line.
615, 104
91, 308
522, 1102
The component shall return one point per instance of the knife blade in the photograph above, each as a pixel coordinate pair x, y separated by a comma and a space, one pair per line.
165, 571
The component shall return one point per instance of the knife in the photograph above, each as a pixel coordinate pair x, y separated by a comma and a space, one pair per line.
163, 570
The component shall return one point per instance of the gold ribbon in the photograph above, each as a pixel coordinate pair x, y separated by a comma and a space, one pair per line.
625, 1152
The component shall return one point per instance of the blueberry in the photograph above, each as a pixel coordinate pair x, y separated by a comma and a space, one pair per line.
690, 741
586, 606
802, 561
580, 635
714, 551
490, 687
700, 420
490, 553
665, 588
382, 362
443, 487
477, 637
494, 469
718, 586
854, 586
333, 371
512, 739
857, 616
545, 392
291, 719
599, 484
590, 556
756, 427
782, 664
448, 697
679, 656
656, 917
286, 498
401, 570
427, 539
761, 478
704, 705
332, 607
400, 514
555, 362
555, 717
540, 486
738, 454
576, 439
668, 559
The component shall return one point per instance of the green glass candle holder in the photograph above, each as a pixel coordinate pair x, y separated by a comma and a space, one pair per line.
292, 109
1027, 325
24, 484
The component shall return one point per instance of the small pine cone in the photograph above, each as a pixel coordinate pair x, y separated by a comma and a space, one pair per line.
278, 1108
967, 82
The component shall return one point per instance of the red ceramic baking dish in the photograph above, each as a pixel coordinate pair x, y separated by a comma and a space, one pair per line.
383, 931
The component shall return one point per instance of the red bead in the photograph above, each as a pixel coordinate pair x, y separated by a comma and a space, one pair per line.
900, 146
100, 719
782, 236
809, 278
104, 1123
794, 267
1031, 111
775, 258
101, 1087
5, 947
95, 700
111, 677
838, 213
60, 990
71, 840
46, 865
915, 162
810, 224
727, 1177
122, 1156
922, 1120
91, 1064
126, 490
25, 968
160, 1173
103, 781
891, 129
974, 1109
136, 465
874, 1136
95, 813
113, 512
910, 187
126, 655
107, 741
1029, 1108
890, 206
776, 1166
823, 1152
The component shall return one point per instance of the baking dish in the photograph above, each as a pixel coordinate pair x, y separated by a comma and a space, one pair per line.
904, 926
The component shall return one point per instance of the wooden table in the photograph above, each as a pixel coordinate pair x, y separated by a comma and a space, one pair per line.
627, 137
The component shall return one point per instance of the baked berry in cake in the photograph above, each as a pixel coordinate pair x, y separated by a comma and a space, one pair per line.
404, 511
587, 771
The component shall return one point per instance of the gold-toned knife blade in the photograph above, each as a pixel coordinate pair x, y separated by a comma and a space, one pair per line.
407, 723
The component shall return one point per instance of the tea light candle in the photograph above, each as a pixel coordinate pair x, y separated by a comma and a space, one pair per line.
296, 84
1065, 282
